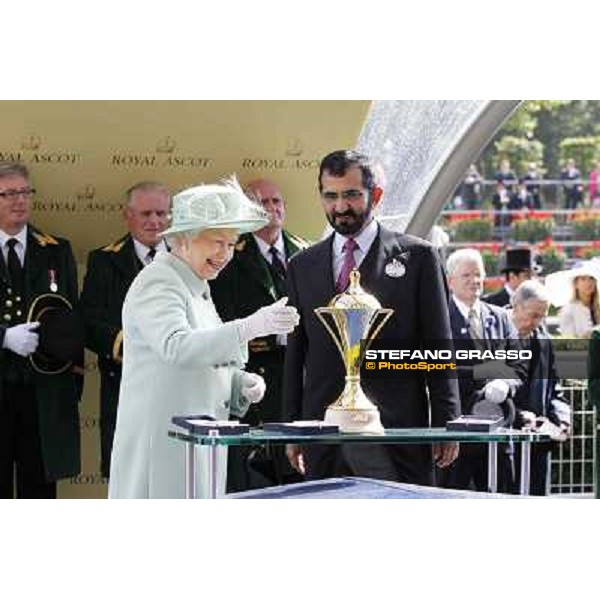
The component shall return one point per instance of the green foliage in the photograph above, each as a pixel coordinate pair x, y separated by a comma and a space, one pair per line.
473, 230
553, 260
491, 261
531, 230
585, 229
590, 253
584, 150
520, 151
549, 122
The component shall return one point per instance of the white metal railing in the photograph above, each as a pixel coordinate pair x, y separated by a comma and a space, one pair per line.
573, 463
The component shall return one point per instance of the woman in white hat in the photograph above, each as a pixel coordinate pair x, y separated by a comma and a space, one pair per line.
179, 357
576, 291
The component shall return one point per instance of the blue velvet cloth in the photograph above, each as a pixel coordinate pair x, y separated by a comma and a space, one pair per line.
347, 488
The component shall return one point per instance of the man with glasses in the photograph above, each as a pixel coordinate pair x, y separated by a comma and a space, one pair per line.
403, 273
39, 415
256, 277
110, 271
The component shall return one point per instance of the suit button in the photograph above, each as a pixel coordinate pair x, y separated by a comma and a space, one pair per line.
7, 317
8, 303
261, 370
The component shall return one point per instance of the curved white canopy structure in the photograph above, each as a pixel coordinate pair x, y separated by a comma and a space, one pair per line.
425, 146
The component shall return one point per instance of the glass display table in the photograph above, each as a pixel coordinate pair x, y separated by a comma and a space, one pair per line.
213, 440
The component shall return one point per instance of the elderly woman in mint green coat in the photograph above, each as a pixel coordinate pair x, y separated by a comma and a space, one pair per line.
179, 357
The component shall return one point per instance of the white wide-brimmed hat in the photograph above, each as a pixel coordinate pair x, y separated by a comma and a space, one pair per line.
559, 285
217, 206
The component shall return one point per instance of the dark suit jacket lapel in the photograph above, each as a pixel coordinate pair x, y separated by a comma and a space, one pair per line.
460, 326
543, 364
290, 246
253, 262
384, 249
36, 265
126, 259
3, 269
321, 282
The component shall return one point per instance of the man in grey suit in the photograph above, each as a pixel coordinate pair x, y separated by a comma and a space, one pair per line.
540, 400
402, 272
478, 325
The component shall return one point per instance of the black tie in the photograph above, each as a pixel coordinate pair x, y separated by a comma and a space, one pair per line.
278, 271
15, 269
151, 253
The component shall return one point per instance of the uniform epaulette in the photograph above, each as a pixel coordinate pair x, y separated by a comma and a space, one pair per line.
114, 247
44, 239
299, 241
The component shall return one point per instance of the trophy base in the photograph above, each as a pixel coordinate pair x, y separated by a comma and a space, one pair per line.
354, 420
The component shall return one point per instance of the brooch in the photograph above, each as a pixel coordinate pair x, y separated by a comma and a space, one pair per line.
395, 268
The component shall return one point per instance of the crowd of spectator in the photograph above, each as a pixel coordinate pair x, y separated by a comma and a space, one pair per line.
508, 191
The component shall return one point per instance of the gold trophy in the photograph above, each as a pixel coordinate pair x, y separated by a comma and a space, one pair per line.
353, 314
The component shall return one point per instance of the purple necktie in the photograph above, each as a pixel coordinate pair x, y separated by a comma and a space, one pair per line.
348, 264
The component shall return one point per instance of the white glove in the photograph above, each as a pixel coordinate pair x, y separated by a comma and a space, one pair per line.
273, 319
496, 391
21, 339
253, 387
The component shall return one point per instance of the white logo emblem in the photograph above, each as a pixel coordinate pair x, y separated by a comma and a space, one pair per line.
395, 268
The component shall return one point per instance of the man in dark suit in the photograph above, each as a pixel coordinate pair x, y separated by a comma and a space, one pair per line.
402, 272
110, 271
539, 400
519, 266
39, 412
573, 187
479, 326
256, 277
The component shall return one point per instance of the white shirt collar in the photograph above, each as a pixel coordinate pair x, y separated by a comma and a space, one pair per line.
141, 250
21, 237
264, 247
364, 240
465, 310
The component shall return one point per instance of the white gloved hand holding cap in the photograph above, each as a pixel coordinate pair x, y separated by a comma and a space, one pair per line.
22, 339
496, 391
253, 387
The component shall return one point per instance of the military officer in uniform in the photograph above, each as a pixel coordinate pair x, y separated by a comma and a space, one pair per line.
255, 277
110, 271
39, 410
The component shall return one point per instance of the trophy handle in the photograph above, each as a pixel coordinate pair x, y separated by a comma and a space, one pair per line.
371, 335
320, 312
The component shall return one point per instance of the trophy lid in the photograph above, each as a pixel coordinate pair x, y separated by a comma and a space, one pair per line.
354, 296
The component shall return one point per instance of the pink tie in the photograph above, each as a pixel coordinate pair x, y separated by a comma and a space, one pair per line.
348, 264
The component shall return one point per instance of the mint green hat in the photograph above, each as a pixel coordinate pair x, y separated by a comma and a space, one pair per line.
216, 206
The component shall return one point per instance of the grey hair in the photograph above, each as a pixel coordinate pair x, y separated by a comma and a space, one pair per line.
530, 290
464, 255
8, 169
146, 186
